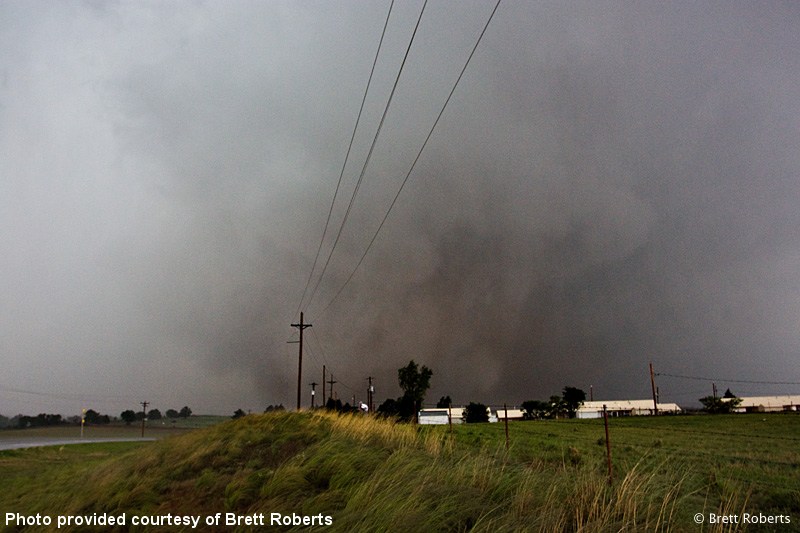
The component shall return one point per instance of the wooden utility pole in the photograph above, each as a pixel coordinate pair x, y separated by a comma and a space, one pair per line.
301, 326
370, 390
331, 382
653, 386
144, 415
313, 392
608, 445
324, 398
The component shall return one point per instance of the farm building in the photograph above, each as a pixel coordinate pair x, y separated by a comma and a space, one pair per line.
624, 408
513, 414
768, 404
439, 415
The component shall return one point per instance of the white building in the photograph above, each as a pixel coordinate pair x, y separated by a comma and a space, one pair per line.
441, 415
768, 404
594, 409
513, 414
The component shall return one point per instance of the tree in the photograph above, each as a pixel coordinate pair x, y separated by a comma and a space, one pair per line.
333, 405
185, 412
556, 407
715, 405
172, 413
476, 412
573, 398
389, 408
536, 409
93, 417
128, 416
238, 414
415, 382
154, 414
444, 401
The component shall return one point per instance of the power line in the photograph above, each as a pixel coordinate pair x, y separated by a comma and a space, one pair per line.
73, 397
346, 157
722, 380
325, 359
369, 155
416, 159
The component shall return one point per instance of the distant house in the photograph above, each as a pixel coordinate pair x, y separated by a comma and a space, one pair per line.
594, 409
513, 414
441, 415
768, 404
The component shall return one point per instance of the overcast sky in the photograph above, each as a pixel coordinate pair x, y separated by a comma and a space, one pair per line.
611, 184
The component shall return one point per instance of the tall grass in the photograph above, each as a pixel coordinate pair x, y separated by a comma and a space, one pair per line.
370, 474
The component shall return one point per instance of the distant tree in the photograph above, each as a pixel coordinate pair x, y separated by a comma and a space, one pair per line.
333, 405
476, 412
573, 398
93, 417
185, 412
728, 394
238, 414
128, 417
415, 382
154, 414
536, 409
172, 413
556, 407
716, 405
443, 402
389, 408
4, 421
271, 408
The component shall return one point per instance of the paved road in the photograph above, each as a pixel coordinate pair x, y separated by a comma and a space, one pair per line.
15, 444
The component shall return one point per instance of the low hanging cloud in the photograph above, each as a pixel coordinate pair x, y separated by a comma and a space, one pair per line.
609, 186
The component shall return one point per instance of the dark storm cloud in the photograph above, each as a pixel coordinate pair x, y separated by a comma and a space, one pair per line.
611, 185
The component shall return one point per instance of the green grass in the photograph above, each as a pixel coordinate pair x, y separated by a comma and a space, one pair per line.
373, 475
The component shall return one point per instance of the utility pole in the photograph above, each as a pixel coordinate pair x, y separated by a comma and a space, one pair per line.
331, 382
370, 391
653, 386
324, 398
301, 326
591, 393
714, 389
144, 415
608, 444
313, 392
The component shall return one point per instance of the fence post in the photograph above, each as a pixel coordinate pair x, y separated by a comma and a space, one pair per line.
505, 417
608, 445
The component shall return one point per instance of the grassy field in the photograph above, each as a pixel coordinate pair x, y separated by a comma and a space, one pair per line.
372, 475
154, 428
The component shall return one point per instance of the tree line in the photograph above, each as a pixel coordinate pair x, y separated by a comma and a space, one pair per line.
129, 416
415, 382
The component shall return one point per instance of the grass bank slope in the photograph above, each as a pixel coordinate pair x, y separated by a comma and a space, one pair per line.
373, 475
